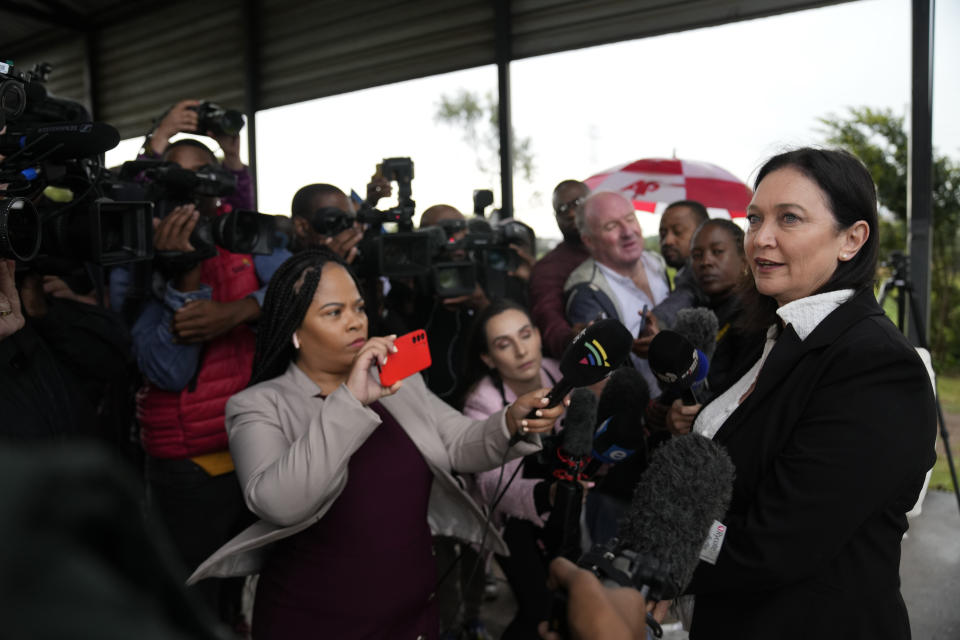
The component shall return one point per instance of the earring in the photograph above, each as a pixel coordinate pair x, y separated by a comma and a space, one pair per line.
296, 342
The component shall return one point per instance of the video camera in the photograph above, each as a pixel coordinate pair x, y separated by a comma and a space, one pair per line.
169, 186
61, 206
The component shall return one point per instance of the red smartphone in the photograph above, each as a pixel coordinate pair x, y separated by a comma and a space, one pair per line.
412, 355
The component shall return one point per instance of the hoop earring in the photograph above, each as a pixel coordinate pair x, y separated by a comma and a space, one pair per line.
296, 342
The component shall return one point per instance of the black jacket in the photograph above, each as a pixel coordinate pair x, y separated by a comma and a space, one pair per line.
831, 449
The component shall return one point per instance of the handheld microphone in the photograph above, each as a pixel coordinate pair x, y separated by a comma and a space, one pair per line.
680, 496
594, 353
562, 529
61, 141
620, 411
678, 365
699, 325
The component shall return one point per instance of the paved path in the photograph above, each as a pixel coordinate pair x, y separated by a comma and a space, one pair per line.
930, 569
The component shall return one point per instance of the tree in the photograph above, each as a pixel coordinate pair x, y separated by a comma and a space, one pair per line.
479, 118
878, 138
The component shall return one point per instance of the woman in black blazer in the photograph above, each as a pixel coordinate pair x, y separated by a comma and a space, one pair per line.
831, 431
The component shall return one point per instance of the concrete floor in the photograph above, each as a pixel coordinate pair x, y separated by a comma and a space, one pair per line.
929, 570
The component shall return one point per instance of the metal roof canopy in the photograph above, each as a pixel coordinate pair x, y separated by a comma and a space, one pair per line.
127, 62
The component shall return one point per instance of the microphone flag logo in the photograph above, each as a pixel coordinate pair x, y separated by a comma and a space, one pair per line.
596, 355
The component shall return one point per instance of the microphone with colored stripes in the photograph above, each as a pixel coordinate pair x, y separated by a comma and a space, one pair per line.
593, 355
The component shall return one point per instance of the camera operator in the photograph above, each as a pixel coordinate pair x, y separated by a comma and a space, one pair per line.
194, 345
58, 352
446, 320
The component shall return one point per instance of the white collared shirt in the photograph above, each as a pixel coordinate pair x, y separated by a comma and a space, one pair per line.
803, 315
631, 299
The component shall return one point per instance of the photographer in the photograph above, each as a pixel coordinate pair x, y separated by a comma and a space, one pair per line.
320, 214
184, 117
194, 345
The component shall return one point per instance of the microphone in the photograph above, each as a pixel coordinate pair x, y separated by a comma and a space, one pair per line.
620, 411
686, 488
594, 353
680, 500
678, 365
562, 530
699, 325
61, 141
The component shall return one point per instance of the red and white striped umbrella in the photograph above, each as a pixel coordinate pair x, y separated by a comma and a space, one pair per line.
659, 181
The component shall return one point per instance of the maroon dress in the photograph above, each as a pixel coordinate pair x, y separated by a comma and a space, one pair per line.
366, 569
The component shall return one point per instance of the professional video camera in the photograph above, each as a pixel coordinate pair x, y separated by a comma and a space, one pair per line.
484, 255
25, 99
169, 186
62, 206
404, 253
217, 120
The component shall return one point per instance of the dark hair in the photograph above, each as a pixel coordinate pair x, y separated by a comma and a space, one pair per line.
700, 214
850, 196
736, 233
473, 367
192, 144
288, 297
302, 203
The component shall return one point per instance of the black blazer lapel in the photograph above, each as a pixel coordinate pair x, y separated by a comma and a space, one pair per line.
789, 349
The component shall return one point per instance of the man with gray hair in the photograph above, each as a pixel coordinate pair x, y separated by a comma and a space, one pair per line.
620, 279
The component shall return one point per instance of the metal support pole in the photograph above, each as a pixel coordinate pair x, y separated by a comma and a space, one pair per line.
920, 176
251, 81
503, 55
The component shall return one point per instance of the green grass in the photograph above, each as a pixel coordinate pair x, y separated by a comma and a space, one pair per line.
948, 389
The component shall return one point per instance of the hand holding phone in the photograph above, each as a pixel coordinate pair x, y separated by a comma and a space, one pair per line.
412, 355
643, 321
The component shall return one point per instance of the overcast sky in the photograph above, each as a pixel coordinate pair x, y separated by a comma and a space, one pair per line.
731, 95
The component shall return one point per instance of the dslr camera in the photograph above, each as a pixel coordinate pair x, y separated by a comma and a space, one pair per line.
217, 120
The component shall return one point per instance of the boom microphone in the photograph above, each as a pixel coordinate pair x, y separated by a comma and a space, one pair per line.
686, 488
677, 364
59, 142
594, 353
699, 325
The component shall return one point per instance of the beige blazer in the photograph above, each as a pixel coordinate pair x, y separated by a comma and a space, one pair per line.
291, 448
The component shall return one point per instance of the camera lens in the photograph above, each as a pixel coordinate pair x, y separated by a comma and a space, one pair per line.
19, 229
13, 100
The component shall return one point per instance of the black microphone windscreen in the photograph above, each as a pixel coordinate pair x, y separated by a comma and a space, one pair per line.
626, 391
675, 362
699, 325
579, 424
67, 140
595, 352
686, 487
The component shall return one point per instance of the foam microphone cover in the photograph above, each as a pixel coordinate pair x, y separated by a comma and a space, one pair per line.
595, 352
686, 487
699, 325
626, 391
675, 362
578, 426
62, 141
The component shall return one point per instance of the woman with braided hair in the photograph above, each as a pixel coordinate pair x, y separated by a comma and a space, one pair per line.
348, 476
